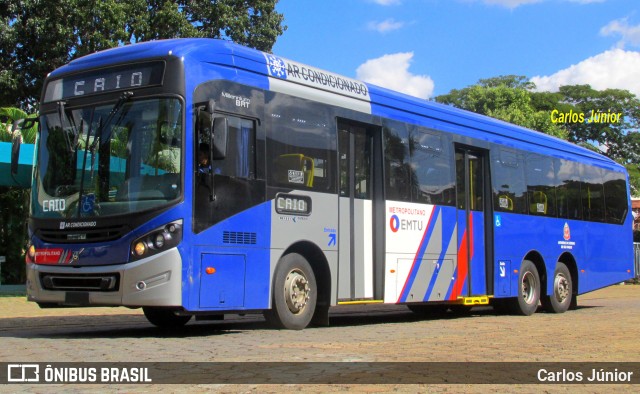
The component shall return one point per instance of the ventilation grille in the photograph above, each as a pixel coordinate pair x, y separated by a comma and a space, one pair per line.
83, 235
81, 282
238, 237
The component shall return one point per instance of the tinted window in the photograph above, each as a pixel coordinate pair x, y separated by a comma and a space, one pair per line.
240, 159
397, 161
430, 168
568, 189
592, 191
509, 185
301, 144
615, 196
541, 191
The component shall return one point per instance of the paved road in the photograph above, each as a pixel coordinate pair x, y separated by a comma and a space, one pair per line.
604, 328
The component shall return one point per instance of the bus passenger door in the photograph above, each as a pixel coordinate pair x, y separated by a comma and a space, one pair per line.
474, 230
358, 186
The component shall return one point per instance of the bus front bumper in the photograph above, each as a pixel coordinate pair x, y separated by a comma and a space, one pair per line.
154, 281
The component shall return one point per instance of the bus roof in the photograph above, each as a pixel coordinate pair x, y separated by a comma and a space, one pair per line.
381, 101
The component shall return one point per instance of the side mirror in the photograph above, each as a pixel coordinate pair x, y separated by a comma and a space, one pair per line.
219, 138
15, 147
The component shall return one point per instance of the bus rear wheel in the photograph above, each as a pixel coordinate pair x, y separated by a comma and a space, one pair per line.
528, 290
561, 298
295, 293
165, 317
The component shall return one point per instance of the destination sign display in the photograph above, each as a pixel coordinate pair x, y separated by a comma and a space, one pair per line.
130, 76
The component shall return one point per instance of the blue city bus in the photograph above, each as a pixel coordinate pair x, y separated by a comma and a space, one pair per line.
196, 177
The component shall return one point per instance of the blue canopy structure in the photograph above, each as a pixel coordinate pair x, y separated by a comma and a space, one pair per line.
25, 165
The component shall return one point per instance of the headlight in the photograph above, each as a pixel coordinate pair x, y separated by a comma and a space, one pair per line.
159, 241
153, 242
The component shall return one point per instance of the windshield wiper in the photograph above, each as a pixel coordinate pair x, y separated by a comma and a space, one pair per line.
102, 126
67, 123
97, 137
116, 108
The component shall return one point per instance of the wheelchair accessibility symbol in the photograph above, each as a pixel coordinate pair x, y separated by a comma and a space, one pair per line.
88, 203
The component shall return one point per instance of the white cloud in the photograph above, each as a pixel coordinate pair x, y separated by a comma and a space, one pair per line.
629, 34
615, 69
386, 25
392, 72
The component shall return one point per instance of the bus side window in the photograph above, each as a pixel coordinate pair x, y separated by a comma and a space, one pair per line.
294, 168
300, 144
398, 171
615, 196
592, 190
430, 168
541, 185
568, 189
509, 188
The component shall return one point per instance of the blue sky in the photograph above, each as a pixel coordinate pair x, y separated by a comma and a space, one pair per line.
428, 47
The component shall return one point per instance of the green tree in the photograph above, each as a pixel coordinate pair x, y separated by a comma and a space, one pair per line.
37, 36
8, 116
508, 98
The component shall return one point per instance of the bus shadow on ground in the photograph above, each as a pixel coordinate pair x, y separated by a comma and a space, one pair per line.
136, 326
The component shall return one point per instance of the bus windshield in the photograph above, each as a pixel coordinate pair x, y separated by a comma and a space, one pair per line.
108, 159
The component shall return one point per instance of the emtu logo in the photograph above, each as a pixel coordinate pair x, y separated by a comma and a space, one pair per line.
405, 224
394, 223
566, 232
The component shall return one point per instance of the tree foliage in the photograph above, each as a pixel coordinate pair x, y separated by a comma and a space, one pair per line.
37, 36
7, 118
507, 98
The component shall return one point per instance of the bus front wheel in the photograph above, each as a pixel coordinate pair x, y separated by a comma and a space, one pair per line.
560, 300
165, 317
295, 293
528, 290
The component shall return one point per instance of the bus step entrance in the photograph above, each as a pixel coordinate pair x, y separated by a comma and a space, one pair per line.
476, 300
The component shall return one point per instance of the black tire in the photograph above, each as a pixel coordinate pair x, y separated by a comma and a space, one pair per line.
526, 303
295, 294
165, 317
561, 299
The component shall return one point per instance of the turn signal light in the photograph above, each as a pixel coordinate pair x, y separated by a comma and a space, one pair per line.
140, 248
31, 254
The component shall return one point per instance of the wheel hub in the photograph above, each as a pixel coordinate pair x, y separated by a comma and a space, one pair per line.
296, 291
528, 287
561, 286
